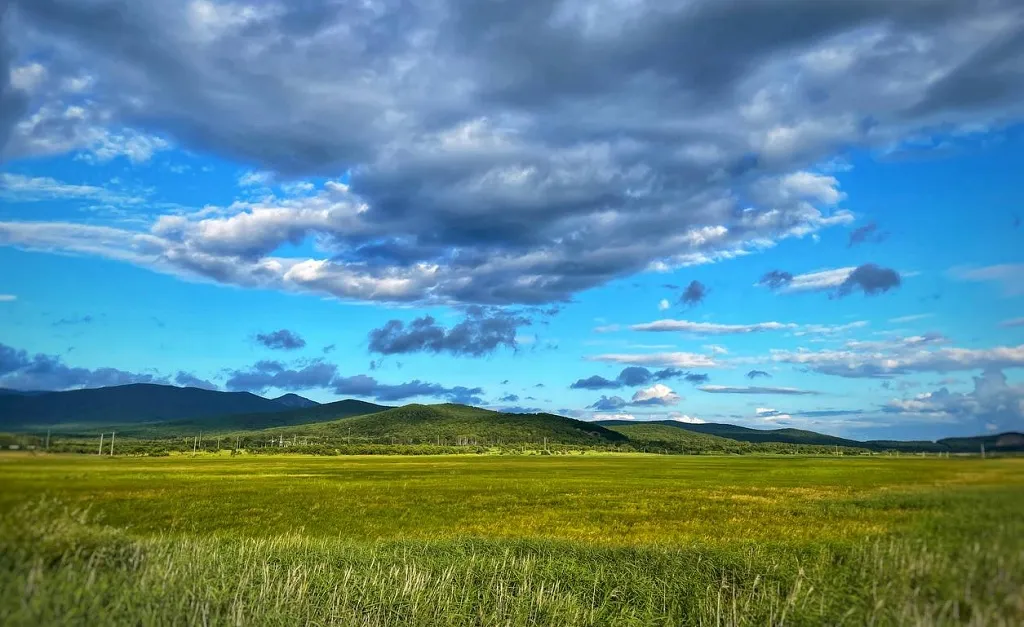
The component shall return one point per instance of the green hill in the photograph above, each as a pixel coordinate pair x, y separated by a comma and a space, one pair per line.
450, 423
746, 434
133, 404
665, 436
317, 413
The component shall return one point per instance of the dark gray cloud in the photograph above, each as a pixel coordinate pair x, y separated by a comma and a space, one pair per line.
481, 332
72, 320
329, 348
608, 403
282, 339
363, 385
267, 374
21, 371
695, 378
774, 279
13, 102
579, 147
694, 293
633, 376
753, 374
596, 382
865, 234
869, 278
725, 389
189, 380
509, 398
516, 409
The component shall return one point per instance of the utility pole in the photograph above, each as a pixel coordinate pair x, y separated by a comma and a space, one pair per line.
47, 439
101, 445
983, 450
112, 433
195, 445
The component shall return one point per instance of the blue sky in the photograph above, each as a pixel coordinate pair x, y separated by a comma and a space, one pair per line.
819, 228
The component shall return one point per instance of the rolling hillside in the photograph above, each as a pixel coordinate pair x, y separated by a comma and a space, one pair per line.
294, 401
660, 436
746, 434
123, 405
315, 414
426, 423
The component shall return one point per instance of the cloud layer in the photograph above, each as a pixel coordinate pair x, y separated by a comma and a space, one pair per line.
576, 144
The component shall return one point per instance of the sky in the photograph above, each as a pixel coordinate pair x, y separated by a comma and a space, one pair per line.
768, 213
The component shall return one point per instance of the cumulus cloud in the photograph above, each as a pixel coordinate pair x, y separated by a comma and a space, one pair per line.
631, 376
725, 389
657, 394
363, 385
267, 374
608, 403
663, 304
282, 339
753, 374
480, 333
869, 278
993, 403
316, 373
21, 371
189, 380
575, 146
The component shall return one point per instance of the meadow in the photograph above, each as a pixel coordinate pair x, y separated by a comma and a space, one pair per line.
589, 539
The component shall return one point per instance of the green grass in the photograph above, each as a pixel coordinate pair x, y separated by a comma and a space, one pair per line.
471, 540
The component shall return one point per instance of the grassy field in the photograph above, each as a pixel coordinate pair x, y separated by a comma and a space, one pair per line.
560, 540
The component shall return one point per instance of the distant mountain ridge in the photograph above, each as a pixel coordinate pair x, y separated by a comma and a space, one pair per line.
135, 403
151, 410
294, 401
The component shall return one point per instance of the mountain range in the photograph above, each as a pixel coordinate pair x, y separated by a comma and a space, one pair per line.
150, 410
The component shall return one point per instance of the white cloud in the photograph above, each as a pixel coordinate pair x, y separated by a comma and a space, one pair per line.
28, 77
896, 359
675, 359
911, 318
657, 394
709, 328
693, 420
1009, 275
830, 329
6, 298
725, 389
613, 417
664, 304
715, 349
712, 328
821, 280
255, 179
21, 188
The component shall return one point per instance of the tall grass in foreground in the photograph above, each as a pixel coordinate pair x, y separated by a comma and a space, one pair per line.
58, 568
